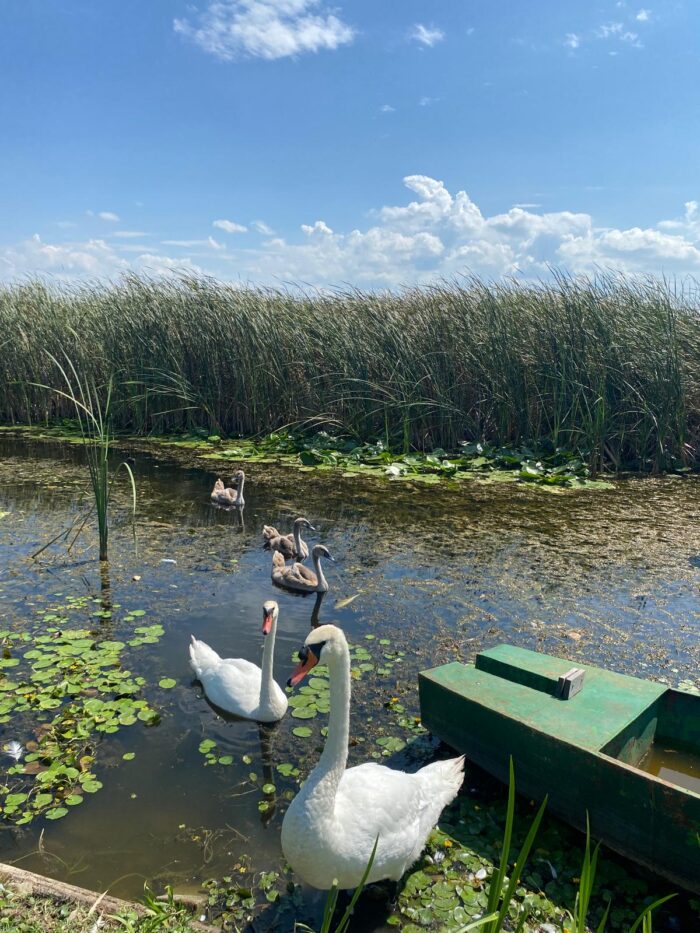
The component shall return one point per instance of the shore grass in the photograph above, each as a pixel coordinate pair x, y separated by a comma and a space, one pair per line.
608, 367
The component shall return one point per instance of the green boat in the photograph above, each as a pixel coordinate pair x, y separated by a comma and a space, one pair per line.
625, 751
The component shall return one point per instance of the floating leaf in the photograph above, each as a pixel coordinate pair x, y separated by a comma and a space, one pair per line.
167, 683
56, 813
302, 732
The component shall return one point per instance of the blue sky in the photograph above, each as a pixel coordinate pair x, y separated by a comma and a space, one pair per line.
370, 143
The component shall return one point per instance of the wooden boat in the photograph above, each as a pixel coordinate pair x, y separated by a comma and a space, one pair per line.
625, 751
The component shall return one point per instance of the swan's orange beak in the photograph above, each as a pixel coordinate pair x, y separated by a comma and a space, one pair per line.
267, 622
307, 661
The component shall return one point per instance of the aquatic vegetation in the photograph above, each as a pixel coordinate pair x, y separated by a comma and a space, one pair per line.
65, 688
546, 466
92, 405
606, 367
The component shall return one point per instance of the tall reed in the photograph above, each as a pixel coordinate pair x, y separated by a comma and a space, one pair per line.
607, 365
92, 408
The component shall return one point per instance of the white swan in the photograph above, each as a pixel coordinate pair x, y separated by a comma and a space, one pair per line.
297, 576
289, 545
236, 685
330, 827
223, 495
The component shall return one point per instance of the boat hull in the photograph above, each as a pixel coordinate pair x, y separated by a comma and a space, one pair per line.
582, 752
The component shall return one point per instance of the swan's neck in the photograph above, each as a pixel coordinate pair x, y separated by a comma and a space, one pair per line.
266, 680
239, 494
297, 541
322, 584
323, 781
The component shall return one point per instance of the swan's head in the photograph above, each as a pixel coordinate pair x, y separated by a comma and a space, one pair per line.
324, 642
303, 523
320, 550
270, 612
237, 478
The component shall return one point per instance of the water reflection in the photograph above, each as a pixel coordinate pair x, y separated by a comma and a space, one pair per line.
606, 578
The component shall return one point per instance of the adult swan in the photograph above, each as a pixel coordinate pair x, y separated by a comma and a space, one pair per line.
331, 825
237, 686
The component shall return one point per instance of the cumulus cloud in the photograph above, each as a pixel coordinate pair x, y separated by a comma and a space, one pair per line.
427, 35
438, 233
229, 226
268, 29
109, 215
430, 234
93, 258
571, 40
643, 16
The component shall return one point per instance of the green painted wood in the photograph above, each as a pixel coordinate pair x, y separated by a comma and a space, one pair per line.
557, 747
607, 703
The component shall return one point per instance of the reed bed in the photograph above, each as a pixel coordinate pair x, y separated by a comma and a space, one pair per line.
608, 366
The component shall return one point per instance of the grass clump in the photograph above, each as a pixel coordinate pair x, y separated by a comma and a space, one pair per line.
607, 367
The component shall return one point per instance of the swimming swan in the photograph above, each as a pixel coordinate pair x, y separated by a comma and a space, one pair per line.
289, 545
222, 495
331, 825
297, 576
236, 685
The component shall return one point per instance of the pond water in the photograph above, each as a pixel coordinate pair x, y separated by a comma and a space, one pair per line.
608, 577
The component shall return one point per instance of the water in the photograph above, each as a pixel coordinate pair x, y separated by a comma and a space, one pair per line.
673, 765
605, 577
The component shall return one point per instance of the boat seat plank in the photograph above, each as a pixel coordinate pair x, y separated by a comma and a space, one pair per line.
607, 703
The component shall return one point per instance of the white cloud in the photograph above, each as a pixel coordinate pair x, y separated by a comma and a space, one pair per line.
643, 16
109, 215
387, 108
229, 226
269, 29
427, 35
617, 31
427, 101
261, 227
571, 40
632, 38
155, 264
209, 243
129, 234
609, 29
92, 259
432, 233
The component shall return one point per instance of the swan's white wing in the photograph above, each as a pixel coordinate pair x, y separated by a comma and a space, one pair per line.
372, 801
234, 686
386, 798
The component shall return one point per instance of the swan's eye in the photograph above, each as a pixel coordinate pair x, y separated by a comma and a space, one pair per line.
316, 649
303, 653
